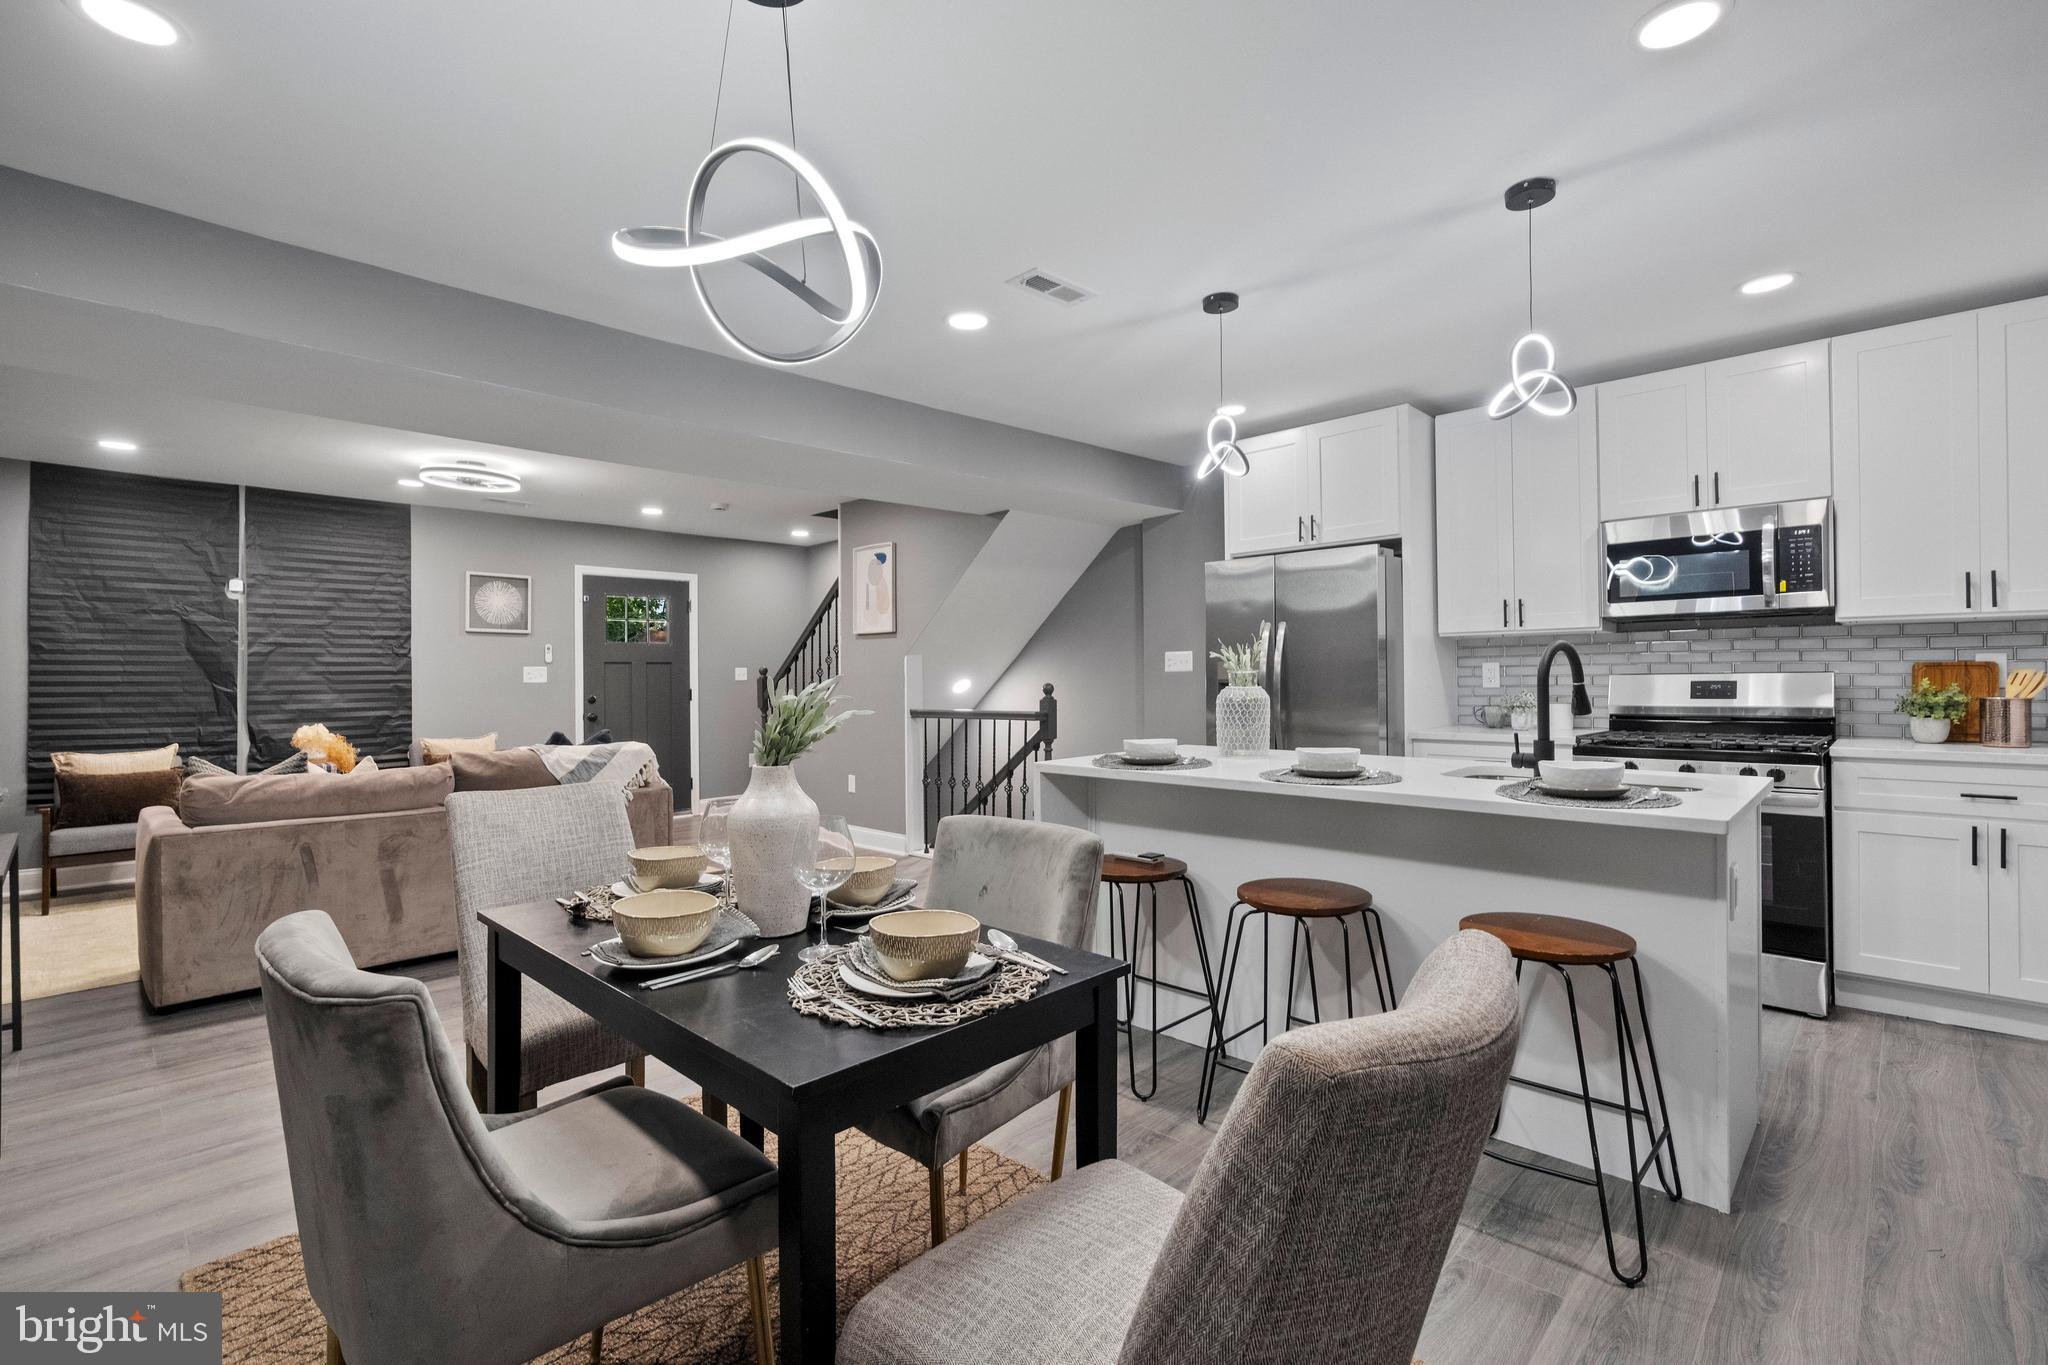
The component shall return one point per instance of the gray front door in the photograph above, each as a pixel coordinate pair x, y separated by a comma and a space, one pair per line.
636, 669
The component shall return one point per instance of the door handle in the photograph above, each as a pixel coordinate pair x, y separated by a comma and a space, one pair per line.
590, 715
1987, 796
1503, 613
1695, 490
1277, 721
1300, 529
1521, 612
1994, 587
2002, 832
1973, 846
590, 701
1313, 533
1966, 588
1717, 487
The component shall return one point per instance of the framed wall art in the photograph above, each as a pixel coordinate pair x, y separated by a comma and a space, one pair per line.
497, 603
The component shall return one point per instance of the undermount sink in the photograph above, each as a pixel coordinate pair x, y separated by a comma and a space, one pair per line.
1486, 773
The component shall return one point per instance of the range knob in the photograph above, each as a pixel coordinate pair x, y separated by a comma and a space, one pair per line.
1748, 772
1777, 774
1687, 768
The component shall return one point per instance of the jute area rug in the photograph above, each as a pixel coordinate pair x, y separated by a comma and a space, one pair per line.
85, 942
268, 1316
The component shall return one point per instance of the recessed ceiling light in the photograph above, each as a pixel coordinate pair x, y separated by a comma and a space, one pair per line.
137, 23
468, 479
802, 533
1230, 410
410, 483
967, 322
960, 686
118, 446
650, 511
1768, 284
1677, 24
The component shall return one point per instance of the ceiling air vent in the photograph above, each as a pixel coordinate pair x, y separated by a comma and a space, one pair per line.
1051, 286
508, 502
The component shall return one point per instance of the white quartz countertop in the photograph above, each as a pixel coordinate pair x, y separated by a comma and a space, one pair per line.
1430, 783
1906, 751
1484, 734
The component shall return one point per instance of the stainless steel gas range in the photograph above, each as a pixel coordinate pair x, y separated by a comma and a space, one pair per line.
1775, 725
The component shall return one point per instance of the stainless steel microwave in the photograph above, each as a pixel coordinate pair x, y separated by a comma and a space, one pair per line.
1731, 560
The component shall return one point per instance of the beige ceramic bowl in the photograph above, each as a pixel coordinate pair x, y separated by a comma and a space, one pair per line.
914, 944
872, 877
663, 923
667, 865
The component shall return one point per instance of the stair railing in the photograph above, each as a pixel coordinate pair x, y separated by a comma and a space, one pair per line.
813, 658
981, 762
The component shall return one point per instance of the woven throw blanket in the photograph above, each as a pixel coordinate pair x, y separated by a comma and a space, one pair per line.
626, 764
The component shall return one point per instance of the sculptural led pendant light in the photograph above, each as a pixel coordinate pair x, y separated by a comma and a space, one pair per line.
691, 248
1537, 385
1219, 441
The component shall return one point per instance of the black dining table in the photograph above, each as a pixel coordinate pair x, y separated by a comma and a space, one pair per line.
802, 1078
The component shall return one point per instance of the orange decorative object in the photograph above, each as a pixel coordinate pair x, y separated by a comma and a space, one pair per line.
322, 745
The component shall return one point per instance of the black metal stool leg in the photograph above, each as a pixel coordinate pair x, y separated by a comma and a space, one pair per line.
1234, 926
1315, 992
1661, 1140
1137, 911
1382, 966
1293, 949
1351, 1009
1495, 1131
1593, 1142
1202, 949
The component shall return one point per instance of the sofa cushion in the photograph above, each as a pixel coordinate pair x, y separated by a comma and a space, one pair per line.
129, 761
503, 771
64, 843
303, 796
195, 766
438, 750
89, 798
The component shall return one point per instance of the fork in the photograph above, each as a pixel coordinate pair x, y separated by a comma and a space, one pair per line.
800, 991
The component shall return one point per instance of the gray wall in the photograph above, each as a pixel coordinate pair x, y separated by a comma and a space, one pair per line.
932, 549
1177, 611
14, 815
751, 598
1088, 649
1873, 663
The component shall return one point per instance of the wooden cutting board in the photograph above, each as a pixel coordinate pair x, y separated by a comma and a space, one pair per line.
1978, 677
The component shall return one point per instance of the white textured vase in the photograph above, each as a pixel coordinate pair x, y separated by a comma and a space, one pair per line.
1928, 729
1244, 722
774, 830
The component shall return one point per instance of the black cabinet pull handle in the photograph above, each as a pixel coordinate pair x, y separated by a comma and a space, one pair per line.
1695, 490
1717, 486
1300, 529
1988, 796
1313, 533
1966, 587
2002, 832
1503, 613
1973, 846
1994, 587
1521, 612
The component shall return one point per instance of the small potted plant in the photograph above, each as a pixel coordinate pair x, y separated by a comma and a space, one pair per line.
1522, 709
1931, 710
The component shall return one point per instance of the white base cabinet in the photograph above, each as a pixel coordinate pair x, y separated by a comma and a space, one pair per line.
1918, 888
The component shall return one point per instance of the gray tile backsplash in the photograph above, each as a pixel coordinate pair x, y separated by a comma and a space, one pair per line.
1872, 663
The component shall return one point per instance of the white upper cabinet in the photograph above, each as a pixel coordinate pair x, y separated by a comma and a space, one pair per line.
1356, 462
1474, 524
1334, 483
1767, 428
2012, 434
1518, 523
1266, 510
1653, 444
1908, 504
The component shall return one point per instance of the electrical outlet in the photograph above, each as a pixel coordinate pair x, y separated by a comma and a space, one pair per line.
849, 781
536, 673
739, 675
1489, 673
1180, 661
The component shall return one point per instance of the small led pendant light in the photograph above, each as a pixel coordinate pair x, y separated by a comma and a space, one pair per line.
1220, 440
1537, 386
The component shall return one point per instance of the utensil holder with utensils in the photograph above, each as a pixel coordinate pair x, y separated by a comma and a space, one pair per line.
2007, 722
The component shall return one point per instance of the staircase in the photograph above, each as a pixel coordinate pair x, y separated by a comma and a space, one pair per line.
813, 658
980, 762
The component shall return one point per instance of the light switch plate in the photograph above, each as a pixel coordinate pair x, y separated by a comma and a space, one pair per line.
536, 673
1180, 661
739, 674
1489, 673
849, 781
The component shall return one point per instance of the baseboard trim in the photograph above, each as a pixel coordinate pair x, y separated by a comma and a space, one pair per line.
86, 877
1909, 1000
880, 840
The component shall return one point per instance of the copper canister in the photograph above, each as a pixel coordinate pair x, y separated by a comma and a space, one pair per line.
2005, 722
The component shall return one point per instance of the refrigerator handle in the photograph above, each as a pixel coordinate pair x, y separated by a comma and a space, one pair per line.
1279, 719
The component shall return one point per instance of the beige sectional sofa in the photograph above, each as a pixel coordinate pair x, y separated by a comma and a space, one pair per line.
370, 849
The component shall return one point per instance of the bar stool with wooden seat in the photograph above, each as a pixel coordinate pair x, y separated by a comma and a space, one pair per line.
1561, 943
1302, 900
1120, 871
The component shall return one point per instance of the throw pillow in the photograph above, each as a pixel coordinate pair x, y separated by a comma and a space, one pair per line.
195, 766
503, 771
89, 799
438, 750
130, 761
557, 739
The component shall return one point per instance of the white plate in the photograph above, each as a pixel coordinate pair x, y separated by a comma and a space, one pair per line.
612, 953
867, 985
708, 882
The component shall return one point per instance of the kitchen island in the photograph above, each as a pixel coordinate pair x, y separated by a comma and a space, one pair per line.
1442, 843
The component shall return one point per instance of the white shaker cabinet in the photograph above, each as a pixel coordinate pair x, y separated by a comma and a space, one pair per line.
1907, 472
1265, 510
1475, 527
1356, 463
1768, 427
2013, 438
1653, 444
1340, 482
2018, 864
1910, 895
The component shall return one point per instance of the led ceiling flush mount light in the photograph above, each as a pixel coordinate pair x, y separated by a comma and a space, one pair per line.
1678, 23
1538, 387
1219, 441
691, 248
127, 19
1767, 284
468, 479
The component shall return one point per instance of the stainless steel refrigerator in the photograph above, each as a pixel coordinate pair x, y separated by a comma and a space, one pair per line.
1333, 656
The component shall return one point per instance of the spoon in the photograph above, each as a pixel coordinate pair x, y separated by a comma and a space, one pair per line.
753, 959
1007, 946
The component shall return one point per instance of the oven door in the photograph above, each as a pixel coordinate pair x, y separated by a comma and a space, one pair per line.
1796, 930
1695, 563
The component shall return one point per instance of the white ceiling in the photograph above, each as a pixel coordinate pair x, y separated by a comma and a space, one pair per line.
1338, 164
61, 419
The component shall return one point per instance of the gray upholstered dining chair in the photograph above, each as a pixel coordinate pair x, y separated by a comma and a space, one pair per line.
432, 1233
1028, 878
1312, 1235
528, 845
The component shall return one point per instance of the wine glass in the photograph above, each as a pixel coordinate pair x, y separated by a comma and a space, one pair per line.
826, 867
714, 837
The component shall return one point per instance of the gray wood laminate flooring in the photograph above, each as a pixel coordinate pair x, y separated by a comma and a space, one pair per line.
1894, 1206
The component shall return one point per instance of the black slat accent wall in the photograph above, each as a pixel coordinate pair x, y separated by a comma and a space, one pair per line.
131, 637
330, 622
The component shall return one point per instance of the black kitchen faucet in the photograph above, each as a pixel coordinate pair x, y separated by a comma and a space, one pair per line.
1544, 749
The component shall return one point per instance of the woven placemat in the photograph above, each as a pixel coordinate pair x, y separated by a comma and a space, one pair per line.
1181, 764
1371, 777
1014, 983
1638, 798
